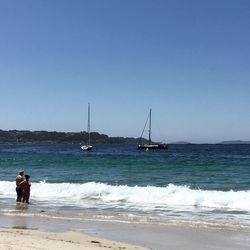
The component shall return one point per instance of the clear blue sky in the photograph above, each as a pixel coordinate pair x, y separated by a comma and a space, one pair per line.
187, 60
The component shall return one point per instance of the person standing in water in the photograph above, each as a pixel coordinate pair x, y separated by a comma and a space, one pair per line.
19, 189
26, 188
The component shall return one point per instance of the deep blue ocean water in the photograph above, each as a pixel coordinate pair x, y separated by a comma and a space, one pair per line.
197, 183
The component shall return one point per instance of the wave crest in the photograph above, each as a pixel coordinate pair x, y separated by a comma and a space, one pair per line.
149, 197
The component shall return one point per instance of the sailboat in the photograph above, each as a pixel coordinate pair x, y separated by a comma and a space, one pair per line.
150, 144
87, 147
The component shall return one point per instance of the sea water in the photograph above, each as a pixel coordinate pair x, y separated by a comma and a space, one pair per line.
206, 185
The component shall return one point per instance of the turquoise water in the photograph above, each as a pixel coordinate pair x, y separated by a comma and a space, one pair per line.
204, 183
209, 167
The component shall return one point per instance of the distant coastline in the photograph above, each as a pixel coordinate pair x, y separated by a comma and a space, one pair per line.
53, 137
233, 142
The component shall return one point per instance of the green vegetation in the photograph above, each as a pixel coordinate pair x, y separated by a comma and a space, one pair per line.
26, 136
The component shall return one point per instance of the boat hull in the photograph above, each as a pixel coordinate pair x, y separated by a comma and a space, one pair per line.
153, 146
86, 147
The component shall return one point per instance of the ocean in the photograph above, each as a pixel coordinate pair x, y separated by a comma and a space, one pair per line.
201, 185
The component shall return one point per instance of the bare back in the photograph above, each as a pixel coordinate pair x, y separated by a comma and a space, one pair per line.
19, 179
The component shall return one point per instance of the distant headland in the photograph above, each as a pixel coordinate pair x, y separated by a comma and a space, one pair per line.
220, 143
53, 137
35, 137
234, 142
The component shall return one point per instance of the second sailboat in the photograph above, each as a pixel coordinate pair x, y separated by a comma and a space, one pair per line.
150, 144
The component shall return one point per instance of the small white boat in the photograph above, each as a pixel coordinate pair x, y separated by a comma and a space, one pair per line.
87, 147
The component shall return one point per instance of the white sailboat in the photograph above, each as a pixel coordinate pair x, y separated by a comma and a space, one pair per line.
150, 144
87, 147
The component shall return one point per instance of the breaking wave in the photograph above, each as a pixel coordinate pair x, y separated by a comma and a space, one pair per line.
138, 197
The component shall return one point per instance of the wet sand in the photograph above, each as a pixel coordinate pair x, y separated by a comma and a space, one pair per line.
21, 239
150, 236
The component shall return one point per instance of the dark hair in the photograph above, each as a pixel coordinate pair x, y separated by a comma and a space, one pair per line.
27, 177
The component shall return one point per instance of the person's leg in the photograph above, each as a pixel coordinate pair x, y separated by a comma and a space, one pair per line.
27, 197
24, 196
19, 194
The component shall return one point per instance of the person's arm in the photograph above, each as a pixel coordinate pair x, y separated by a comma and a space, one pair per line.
21, 183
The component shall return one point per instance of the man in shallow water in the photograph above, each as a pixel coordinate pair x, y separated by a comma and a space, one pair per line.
19, 188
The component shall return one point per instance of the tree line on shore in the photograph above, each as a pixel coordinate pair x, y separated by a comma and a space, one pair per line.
26, 136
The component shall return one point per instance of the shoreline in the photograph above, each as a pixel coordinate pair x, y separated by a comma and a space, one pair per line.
147, 236
34, 239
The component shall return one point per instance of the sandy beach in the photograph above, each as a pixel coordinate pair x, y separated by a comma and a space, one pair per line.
22, 239
35, 232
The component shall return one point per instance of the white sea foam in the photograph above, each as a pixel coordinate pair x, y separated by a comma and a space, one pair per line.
137, 197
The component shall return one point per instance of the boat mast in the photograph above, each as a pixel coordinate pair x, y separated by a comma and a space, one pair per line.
149, 131
89, 122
